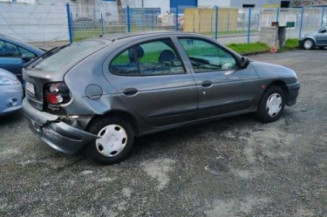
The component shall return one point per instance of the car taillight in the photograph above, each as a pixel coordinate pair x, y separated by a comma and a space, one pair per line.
57, 93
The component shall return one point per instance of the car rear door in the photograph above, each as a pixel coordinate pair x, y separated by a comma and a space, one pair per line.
217, 78
151, 78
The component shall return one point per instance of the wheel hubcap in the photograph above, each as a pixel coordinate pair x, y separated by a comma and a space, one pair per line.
112, 141
308, 44
274, 104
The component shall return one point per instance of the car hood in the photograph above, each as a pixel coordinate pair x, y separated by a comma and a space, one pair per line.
268, 70
7, 74
310, 34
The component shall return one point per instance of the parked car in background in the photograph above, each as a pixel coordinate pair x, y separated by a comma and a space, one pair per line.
11, 92
14, 54
314, 39
99, 94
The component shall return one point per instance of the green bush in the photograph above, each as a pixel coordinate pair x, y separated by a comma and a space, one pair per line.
292, 43
249, 48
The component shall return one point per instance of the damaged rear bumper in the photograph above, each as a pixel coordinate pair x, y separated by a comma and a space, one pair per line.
54, 132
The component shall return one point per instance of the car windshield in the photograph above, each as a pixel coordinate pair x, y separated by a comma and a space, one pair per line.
67, 55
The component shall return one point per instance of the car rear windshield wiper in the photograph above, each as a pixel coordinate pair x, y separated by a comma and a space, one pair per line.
46, 54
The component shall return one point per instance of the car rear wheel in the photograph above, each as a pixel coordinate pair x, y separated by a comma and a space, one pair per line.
271, 105
115, 142
308, 44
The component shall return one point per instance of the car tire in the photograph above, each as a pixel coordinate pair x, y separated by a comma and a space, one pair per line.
271, 104
308, 44
115, 143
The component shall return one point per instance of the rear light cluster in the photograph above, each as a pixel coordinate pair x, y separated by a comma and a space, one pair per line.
57, 93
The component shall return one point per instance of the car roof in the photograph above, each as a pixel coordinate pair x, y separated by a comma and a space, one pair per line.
121, 36
24, 45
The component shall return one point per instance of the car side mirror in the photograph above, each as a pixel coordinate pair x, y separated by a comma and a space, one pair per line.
25, 58
323, 31
243, 62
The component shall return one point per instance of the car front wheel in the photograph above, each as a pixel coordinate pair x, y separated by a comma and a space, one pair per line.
308, 44
272, 105
115, 142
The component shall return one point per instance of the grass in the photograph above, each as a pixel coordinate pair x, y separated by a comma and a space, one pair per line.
292, 43
245, 48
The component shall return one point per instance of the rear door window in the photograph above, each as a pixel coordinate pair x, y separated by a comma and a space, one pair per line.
125, 64
151, 58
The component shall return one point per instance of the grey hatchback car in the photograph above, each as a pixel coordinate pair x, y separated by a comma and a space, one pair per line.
96, 96
314, 39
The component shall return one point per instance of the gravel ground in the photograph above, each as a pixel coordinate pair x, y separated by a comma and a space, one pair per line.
232, 167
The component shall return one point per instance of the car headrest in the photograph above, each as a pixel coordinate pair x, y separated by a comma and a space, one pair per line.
166, 55
138, 51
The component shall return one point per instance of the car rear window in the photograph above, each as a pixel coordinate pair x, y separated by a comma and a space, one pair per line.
69, 54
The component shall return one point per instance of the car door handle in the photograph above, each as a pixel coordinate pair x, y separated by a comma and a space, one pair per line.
130, 91
206, 83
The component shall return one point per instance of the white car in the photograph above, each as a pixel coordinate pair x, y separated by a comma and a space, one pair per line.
11, 92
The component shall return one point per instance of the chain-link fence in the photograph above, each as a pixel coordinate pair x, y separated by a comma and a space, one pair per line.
44, 25
48, 25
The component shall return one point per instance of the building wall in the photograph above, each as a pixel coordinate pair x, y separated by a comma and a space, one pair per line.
30, 22
164, 5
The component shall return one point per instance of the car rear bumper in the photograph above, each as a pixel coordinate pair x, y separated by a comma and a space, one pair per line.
10, 98
293, 92
54, 132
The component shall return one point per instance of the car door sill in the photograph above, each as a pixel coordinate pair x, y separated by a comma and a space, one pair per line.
199, 121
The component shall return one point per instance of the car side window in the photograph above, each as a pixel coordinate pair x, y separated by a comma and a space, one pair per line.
27, 53
151, 58
206, 56
8, 50
124, 64
159, 58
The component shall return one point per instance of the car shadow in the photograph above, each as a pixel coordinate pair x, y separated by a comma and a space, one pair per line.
12, 118
154, 143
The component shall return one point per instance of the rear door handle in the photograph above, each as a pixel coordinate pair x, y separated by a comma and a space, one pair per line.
206, 83
130, 91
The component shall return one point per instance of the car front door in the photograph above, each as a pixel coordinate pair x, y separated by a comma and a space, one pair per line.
152, 79
321, 37
222, 86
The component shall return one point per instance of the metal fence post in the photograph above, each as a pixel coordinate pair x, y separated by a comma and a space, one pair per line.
249, 26
70, 26
216, 23
301, 22
176, 18
322, 17
277, 14
153, 20
102, 27
128, 19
